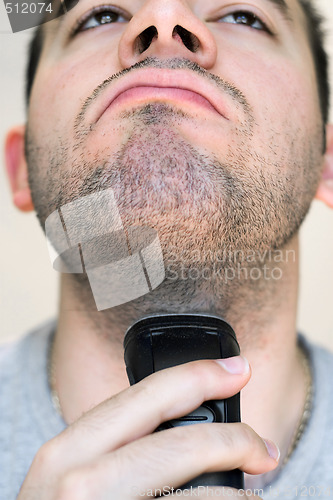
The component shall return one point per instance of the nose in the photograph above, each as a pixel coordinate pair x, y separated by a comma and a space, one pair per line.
167, 29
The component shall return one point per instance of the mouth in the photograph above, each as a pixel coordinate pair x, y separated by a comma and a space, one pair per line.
140, 95
173, 86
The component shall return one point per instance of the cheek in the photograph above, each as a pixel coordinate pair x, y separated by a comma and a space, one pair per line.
278, 82
286, 108
286, 96
60, 91
54, 104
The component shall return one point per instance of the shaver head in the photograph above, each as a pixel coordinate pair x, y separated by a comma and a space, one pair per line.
163, 340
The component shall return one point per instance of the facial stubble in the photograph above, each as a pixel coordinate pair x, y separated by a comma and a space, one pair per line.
195, 201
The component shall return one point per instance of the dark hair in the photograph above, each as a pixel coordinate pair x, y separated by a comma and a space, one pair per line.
34, 53
316, 37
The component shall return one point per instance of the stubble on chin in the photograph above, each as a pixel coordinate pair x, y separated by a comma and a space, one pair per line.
192, 199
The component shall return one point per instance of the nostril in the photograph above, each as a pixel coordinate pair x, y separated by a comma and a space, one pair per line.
190, 41
145, 39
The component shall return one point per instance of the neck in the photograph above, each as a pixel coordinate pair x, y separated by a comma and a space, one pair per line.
88, 351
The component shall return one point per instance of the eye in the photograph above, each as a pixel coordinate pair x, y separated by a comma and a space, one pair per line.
99, 16
245, 18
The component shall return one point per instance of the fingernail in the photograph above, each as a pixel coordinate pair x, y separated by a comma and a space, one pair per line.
272, 449
238, 365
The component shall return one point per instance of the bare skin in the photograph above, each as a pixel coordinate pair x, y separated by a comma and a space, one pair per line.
110, 448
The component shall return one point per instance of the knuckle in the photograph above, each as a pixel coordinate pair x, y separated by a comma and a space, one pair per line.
47, 456
199, 373
239, 439
90, 423
227, 439
195, 440
236, 439
183, 437
145, 389
212, 436
72, 486
143, 393
249, 436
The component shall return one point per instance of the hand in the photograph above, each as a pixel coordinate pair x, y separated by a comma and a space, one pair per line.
111, 453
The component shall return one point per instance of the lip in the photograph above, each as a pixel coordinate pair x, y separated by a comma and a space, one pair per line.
174, 85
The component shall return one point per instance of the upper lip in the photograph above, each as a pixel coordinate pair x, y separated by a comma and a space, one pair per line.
164, 78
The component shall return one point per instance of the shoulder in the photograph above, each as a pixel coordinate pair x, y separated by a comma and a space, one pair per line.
14, 354
321, 359
20, 362
25, 417
320, 431
309, 471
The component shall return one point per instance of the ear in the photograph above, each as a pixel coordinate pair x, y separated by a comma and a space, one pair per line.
17, 169
325, 189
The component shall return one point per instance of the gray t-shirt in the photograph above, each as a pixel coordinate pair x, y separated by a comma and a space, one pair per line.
28, 419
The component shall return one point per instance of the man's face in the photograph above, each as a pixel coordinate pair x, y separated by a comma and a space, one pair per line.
217, 140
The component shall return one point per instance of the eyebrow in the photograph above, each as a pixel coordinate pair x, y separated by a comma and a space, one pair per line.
282, 7
67, 5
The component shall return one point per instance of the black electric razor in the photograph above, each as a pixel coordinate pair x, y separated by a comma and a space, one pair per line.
164, 340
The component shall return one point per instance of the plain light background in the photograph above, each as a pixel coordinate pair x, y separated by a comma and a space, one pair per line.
28, 284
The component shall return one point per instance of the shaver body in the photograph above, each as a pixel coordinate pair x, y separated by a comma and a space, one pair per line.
161, 341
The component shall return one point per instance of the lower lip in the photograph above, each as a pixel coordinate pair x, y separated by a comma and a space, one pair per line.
138, 95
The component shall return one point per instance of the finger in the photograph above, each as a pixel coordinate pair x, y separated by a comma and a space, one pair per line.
139, 410
169, 459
